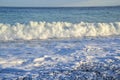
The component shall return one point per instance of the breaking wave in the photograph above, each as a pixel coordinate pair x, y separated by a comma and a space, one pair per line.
46, 30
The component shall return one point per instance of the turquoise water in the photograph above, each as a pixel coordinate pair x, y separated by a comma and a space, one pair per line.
74, 15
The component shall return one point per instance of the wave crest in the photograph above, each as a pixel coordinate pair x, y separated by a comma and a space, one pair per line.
46, 30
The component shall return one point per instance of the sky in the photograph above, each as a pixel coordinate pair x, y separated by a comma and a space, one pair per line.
58, 3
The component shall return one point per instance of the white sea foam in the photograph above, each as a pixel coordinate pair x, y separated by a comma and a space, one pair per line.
46, 30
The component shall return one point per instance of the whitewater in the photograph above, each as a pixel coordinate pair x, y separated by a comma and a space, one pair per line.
57, 30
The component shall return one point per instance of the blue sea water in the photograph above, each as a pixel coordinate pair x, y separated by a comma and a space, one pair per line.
75, 43
12, 15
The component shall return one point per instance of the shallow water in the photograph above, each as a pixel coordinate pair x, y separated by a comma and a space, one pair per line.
87, 58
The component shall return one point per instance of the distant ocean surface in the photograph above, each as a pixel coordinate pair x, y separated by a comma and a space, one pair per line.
44, 23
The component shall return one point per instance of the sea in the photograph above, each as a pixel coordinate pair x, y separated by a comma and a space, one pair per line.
60, 43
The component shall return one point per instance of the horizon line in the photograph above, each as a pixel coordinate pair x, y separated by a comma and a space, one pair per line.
56, 6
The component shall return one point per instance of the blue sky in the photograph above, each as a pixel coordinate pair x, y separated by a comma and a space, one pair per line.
47, 3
